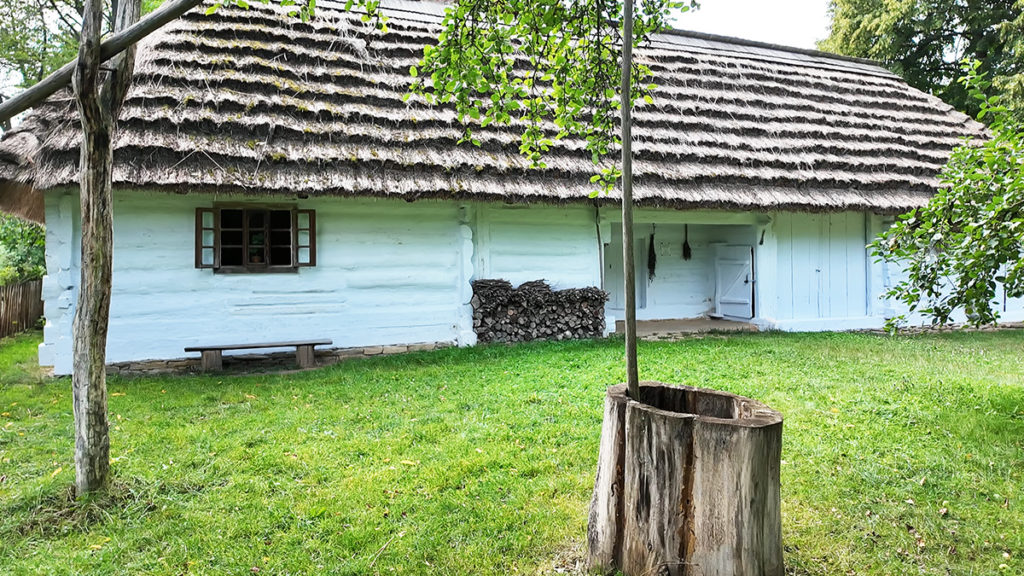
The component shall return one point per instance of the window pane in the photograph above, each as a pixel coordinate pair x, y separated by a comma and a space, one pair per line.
207, 256
207, 219
257, 237
257, 218
256, 256
282, 238
303, 237
230, 218
281, 219
231, 238
231, 257
303, 220
207, 237
281, 256
303, 255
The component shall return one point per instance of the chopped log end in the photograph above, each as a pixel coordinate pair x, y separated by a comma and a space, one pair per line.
534, 311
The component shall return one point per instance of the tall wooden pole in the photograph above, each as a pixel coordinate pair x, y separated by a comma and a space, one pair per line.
629, 273
99, 94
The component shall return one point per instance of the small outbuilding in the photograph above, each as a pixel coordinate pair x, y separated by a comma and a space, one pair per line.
272, 183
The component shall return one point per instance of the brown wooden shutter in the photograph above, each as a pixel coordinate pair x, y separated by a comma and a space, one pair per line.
305, 238
206, 238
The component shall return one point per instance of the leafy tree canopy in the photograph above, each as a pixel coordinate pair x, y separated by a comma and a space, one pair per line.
924, 41
22, 247
970, 237
39, 36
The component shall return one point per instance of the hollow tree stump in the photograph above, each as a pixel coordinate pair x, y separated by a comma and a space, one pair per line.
687, 484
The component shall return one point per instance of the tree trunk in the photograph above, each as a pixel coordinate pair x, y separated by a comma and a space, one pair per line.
100, 94
629, 265
687, 484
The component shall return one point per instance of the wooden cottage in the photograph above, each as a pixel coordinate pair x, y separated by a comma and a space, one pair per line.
271, 183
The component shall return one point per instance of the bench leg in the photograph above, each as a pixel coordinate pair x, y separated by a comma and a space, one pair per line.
212, 360
304, 356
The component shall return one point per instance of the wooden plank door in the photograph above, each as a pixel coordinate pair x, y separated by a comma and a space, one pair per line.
734, 281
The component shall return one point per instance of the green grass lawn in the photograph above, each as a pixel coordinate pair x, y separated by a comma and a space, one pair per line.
901, 456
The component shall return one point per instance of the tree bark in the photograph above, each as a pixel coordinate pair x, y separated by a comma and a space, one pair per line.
687, 484
99, 94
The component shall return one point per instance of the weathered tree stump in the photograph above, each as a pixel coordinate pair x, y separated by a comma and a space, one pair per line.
687, 484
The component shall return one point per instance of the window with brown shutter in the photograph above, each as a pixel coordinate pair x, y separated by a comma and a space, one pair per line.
255, 239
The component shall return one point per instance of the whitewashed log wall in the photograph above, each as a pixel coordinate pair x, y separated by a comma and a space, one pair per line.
392, 272
888, 275
63, 272
680, 288
521, 243
388, 272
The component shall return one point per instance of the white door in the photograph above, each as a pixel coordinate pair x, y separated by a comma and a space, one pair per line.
734, 281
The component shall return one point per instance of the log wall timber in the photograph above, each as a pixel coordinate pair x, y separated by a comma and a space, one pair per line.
687, 484
520, 243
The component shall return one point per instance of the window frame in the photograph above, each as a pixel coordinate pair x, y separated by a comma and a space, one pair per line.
297, 215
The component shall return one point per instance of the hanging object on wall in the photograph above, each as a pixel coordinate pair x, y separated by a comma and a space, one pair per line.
687, 253
652, 257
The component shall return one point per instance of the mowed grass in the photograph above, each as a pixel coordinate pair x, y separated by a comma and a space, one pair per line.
902, 455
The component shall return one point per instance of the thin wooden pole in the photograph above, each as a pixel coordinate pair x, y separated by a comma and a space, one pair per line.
632, 373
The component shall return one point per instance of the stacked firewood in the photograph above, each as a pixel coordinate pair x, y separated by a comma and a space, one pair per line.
534, 311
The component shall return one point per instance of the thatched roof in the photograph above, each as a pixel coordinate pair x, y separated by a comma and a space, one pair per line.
253, 102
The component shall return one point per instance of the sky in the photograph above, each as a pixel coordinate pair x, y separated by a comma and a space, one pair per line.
798, 23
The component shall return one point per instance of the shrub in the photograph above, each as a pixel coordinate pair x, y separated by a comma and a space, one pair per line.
22, 250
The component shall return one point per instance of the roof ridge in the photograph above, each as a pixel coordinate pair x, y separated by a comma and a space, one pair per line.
769, 46
432, 12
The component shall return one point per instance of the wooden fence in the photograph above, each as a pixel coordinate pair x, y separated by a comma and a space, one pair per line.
21, 305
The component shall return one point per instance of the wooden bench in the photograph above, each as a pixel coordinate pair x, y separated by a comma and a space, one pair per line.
213, 355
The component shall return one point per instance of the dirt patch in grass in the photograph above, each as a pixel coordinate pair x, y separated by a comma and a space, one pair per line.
569, 559
61, 513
